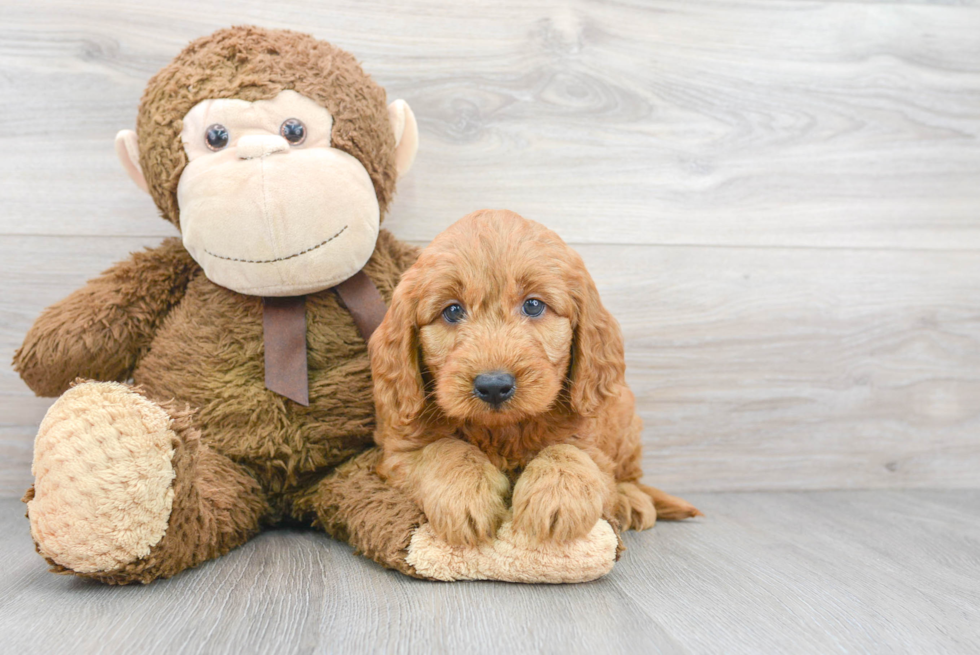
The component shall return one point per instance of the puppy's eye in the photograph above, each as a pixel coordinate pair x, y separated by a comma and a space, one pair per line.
454, 313
293, 130
216, 136
533, 307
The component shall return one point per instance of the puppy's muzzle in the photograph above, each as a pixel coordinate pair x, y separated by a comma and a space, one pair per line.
494, 388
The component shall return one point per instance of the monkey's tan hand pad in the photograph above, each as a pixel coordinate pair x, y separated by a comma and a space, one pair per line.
511, 558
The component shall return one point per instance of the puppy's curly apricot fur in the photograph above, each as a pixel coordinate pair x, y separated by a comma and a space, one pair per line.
560, 439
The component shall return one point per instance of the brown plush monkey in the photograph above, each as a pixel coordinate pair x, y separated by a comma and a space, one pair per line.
222, 378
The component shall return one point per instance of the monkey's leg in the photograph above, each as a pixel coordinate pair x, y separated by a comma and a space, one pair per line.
124, 491
355, 505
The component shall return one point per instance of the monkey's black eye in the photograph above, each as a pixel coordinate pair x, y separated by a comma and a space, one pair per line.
454, 313
293, 130
533, 307
216, 136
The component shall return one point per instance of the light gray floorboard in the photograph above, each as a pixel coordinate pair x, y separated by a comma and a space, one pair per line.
816, 572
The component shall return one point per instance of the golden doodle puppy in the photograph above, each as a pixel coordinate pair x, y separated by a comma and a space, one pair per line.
499, 378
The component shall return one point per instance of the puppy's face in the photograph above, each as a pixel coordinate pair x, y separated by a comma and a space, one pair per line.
495, 321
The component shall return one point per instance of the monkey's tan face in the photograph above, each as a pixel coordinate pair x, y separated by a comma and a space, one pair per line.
267, 206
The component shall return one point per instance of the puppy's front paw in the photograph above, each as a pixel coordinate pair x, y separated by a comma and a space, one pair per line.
467, 510
560, 496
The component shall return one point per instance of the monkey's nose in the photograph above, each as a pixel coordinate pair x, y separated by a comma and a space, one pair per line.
255, 146
494, 388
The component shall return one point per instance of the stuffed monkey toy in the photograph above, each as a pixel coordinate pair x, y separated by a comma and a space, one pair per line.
220, 382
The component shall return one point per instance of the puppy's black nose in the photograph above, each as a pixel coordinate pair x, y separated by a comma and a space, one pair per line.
494, 388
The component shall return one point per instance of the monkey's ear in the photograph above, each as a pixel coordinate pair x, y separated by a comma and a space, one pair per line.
406, 135
128, 151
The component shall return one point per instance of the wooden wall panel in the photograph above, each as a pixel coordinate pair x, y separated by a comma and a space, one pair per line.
780, 200
754, 368
713, 123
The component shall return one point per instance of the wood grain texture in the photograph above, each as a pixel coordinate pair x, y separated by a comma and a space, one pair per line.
754, 368
778, 199
714, 123
830, 572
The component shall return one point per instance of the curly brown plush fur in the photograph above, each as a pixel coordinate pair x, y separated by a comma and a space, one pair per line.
198, 347
229, 456
217, 506
252, 63
243, 455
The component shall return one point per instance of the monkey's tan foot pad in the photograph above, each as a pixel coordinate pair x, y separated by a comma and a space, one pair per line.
103, 478
512, 558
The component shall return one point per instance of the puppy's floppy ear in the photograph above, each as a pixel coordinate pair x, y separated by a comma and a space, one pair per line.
399, 394
597, 345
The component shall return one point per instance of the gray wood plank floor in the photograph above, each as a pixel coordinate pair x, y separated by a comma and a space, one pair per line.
814, 572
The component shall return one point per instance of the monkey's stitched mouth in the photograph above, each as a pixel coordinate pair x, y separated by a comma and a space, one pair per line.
278, 259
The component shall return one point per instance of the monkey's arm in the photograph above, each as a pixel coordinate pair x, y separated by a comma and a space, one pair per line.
100, 330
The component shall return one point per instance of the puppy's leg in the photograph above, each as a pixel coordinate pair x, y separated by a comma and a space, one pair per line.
640, 506
669, 508
636, 510
462, 494
561, 495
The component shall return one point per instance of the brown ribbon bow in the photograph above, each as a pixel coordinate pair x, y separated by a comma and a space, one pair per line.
284, 333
